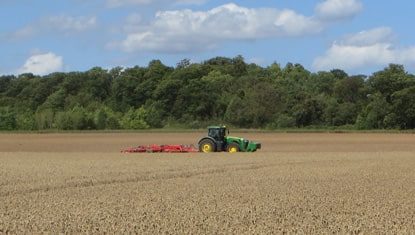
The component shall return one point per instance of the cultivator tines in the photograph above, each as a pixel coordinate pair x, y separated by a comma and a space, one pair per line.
161, 149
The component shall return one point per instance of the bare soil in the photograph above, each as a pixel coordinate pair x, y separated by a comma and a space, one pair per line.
298, 183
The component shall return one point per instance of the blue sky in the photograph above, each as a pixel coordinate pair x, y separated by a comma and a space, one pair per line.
359, 36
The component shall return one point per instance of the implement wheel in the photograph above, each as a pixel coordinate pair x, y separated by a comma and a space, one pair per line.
207, 146
232, 148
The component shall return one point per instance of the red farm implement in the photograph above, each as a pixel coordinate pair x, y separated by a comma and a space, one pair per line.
161, 149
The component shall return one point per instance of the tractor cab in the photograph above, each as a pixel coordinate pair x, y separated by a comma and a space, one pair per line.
218, 136
217, 133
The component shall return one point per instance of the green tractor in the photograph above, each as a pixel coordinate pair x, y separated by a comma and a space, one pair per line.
218, 141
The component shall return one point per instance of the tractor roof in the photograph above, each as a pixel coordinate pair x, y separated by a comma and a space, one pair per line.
216, 127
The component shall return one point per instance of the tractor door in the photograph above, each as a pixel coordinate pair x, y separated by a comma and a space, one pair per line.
218, 134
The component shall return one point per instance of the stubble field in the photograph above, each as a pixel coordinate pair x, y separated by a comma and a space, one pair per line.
298, 183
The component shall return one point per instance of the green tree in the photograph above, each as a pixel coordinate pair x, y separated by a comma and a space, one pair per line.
275, 71
339, 114
296, 73
7, 119
281, 121
339, 74
81, 119
63, 121
56, 101
44, 119
183, 64
123, 89
373, 116
321, 83
156, 113
75, 119
389, 80
255, 108
100, 119
403, 105
25, 121
5, 83
98, 83
218, 90
309, 111
135, 119
350, 89
195, 101
239, 67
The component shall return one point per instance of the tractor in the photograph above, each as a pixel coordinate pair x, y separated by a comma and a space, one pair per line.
218, 141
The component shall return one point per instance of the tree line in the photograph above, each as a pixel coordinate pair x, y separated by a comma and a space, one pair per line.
219, 90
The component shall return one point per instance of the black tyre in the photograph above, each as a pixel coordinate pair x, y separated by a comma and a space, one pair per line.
207, 146
232, 148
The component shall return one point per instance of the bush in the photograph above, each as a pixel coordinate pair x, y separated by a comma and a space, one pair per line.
112, 121
155, 113
282, 121
135, 119
44, 119
63, 121
74, 119
25, 121
105, 118
7, 119
100, 119
286, 121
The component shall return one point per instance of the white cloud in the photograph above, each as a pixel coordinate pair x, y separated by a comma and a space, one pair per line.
61, 24
338, 9
352, 57
187, 30
69, 23
368, 48
370, 37
23, 32
133, 23
42, 64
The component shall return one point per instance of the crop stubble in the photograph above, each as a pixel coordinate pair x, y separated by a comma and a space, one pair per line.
319, 183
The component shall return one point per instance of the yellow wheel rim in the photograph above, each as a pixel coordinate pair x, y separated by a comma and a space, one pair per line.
207, 148
233, 150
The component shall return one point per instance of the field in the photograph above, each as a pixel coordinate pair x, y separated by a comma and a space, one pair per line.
298, 183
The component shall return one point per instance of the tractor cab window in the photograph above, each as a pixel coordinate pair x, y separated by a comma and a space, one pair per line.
222, 132
217, 133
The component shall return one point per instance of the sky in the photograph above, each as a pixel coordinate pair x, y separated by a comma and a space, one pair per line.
358, 36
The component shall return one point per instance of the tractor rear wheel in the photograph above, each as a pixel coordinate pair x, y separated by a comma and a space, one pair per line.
232, 148
207, 146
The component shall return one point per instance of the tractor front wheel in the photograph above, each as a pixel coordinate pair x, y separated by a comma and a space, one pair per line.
207, 146
232, 148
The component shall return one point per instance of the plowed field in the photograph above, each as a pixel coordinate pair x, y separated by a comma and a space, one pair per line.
298, 183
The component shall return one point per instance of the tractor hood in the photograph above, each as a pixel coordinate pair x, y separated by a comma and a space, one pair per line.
244, 144
234, 138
